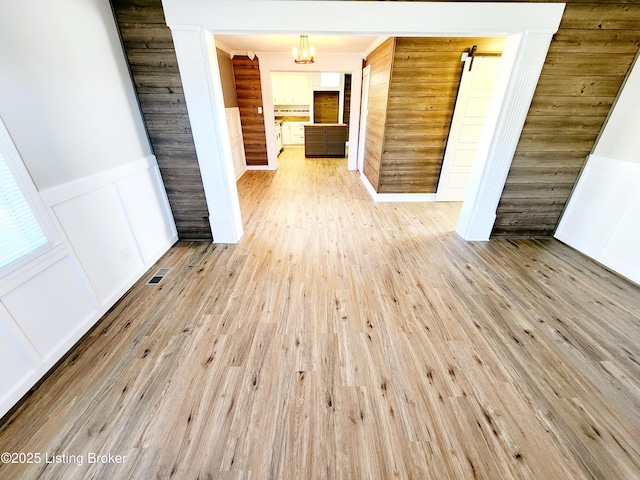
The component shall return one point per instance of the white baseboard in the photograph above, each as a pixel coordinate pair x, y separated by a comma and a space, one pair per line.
396, 197
261, 167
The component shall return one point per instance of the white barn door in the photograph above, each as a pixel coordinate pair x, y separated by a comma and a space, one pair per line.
466, 126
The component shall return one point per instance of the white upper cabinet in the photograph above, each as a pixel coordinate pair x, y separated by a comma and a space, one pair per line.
291, 88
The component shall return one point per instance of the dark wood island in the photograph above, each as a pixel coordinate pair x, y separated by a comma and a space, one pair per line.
325, 140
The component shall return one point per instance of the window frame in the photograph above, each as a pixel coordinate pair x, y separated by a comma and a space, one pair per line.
41, 213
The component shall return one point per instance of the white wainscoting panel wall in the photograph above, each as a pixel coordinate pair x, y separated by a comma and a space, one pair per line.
113, 226
148, 212
17, 353
96, 225
602, 218
61, 308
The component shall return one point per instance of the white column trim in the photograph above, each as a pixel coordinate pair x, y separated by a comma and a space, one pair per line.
197, 60
523, 58
527, 26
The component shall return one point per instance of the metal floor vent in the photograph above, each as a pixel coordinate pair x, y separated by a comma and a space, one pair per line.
158, 276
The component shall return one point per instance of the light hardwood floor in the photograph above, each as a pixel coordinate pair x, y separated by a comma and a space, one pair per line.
345, 339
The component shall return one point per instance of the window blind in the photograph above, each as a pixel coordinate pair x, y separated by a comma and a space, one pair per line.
20, 233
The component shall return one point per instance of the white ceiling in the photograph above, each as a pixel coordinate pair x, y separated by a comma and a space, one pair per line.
285, 43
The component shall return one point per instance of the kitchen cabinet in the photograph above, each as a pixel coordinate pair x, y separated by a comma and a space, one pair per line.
297, 133
291, 88
278, 127
293, 133
325, 140
285, 132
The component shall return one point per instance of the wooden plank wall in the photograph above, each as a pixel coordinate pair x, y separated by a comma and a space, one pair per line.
380, 60
249, 93
585, 68
149, 49
422, 94
587, 63
325, 107
346, 108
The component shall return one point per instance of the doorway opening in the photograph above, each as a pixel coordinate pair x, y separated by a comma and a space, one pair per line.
299, 99
413, 98
528, 28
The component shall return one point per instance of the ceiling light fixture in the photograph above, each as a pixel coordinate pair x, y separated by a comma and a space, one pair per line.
303, 53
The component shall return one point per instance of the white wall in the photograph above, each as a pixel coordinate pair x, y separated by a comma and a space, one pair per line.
619, 139
237, 142
65, 91
68, 104
602, 218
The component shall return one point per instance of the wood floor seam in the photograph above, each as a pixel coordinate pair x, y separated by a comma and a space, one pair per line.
347, 339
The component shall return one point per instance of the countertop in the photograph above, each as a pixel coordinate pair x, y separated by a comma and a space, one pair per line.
326, 125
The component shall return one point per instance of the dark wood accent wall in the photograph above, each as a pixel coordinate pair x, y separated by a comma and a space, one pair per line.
326, 107
585, 68
380, 60
346, 108
149, 49
422, 95
588, 60
249, 93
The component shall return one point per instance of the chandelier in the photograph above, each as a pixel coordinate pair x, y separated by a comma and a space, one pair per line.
303, 53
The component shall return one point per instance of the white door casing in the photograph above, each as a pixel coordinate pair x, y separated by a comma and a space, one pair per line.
528, 28
364, 113
472, 104
281, 62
